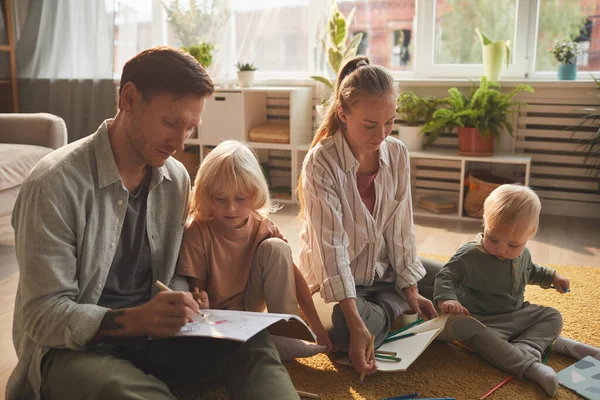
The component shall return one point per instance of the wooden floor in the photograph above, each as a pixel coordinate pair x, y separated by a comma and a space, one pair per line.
561, 240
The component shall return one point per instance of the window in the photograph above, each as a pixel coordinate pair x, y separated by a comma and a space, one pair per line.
281, 26
413, 38
568, 19
387, 28
455, 23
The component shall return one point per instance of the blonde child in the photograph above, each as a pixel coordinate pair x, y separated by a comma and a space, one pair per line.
231, 250
486, 278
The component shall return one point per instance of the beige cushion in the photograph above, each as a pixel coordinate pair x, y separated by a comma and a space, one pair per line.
16, 160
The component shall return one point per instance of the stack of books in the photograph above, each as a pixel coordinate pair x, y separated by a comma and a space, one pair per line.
437, 204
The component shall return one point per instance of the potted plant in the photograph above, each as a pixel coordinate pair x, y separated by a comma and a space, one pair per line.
480, 118
566, 53
245, 74
203, 53
339, 46
414, 112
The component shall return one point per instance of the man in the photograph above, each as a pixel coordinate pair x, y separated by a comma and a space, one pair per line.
96, 223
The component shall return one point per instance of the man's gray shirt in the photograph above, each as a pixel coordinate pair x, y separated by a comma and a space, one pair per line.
68, 219
129, 281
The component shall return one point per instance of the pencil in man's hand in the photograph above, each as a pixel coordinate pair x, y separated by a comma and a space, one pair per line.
165, 288
370, 349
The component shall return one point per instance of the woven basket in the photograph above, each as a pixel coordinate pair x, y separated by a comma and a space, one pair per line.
480, 184
270, 133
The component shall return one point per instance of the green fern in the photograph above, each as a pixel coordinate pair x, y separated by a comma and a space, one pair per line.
486, 108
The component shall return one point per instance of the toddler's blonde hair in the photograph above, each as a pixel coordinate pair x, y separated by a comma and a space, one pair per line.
230, 168
514, 206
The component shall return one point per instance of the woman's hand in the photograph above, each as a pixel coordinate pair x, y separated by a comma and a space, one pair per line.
419, 304
452, 307
359, 342
360, 337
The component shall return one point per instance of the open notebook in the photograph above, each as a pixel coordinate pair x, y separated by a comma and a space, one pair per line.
242, 325
446, 327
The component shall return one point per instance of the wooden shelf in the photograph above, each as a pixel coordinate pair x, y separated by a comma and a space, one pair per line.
232, 112
449, 182
270, 146
505, 158
4, 47
5, 81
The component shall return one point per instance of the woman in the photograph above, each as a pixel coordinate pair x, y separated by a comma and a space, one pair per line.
358, 243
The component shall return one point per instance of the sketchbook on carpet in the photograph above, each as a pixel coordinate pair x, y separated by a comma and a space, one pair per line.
242, 325
412, 342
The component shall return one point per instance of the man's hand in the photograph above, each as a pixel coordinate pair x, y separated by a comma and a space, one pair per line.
561, 284
452, 307
419, 304
164, 315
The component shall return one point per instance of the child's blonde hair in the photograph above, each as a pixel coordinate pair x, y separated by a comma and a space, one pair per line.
230, 168
514, 206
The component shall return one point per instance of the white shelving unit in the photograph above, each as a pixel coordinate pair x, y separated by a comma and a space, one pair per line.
450, 155
232, 113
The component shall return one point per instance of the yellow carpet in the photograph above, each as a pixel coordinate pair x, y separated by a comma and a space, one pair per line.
446, 371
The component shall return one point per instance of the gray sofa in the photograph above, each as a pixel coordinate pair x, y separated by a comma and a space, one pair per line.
24, 140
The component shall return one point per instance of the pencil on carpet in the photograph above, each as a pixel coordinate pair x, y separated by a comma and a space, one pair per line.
510, 378
165, 288
461, 344
308, 395
498, 386
370, 349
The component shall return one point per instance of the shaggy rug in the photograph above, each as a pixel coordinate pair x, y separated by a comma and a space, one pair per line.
448, 371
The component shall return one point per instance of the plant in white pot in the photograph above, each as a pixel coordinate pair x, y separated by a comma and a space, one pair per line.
414, 112
245, 74
566, 53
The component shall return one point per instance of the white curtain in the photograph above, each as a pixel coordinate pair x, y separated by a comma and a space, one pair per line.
65, 61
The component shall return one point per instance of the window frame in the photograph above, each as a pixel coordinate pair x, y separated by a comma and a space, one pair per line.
424, 68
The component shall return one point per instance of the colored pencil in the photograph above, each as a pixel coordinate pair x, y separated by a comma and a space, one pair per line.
510, 378
461, 344
308, 395
498, 386
388, 358
399, 337
405, 327
370, 349
546, 356
386, 353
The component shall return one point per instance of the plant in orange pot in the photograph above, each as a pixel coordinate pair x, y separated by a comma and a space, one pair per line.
480, 117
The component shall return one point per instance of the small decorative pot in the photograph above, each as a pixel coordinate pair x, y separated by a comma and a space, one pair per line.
245, 78
567, 72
